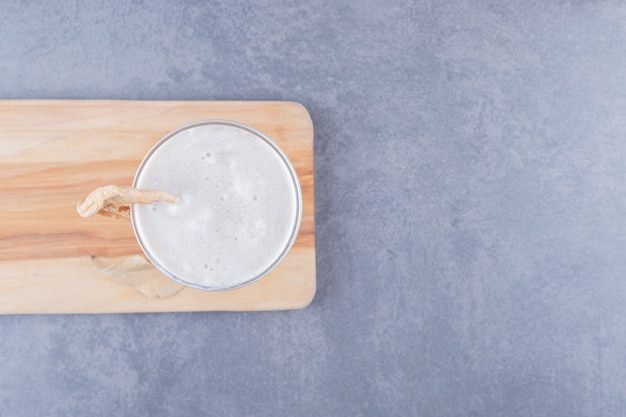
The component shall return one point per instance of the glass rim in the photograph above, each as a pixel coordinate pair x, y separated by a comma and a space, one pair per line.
294, 179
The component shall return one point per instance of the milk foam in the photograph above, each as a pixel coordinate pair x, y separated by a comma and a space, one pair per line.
236, 210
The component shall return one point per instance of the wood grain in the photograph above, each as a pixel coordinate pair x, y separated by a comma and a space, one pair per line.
54, 152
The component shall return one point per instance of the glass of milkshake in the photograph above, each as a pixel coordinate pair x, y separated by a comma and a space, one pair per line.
238, 209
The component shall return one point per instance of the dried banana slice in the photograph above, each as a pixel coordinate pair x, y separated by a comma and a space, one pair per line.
115, 200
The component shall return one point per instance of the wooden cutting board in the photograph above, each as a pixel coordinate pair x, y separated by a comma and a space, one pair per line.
54, 152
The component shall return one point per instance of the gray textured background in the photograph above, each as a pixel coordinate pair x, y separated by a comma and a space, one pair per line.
470, 209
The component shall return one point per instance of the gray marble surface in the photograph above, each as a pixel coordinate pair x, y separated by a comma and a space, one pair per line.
470, 162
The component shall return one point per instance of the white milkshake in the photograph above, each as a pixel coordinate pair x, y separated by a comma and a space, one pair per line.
238, 211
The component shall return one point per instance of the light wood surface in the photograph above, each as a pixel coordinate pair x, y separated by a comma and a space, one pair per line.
54, 152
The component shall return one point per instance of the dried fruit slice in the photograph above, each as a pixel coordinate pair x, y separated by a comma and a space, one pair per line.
115, 200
